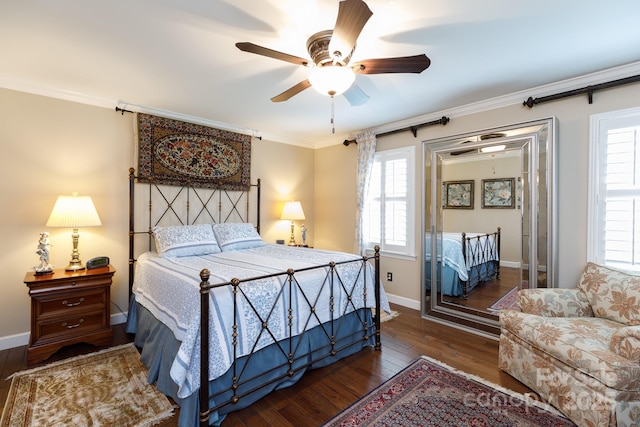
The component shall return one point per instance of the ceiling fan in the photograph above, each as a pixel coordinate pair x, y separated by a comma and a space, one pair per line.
330, 52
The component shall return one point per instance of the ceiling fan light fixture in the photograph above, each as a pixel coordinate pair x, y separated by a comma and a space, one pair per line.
493, 148
331, 80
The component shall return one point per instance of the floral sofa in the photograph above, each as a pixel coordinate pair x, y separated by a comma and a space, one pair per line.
579, 349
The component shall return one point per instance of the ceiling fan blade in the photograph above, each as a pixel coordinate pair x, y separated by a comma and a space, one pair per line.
264, 51
292, 91
404, 64
352, 16
458, 153
355, 95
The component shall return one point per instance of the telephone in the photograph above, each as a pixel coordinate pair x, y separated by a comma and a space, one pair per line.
97, 262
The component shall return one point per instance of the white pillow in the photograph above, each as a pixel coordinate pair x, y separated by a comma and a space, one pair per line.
185, 240
234, 236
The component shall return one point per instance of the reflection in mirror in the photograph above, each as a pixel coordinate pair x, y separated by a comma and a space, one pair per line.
488, 221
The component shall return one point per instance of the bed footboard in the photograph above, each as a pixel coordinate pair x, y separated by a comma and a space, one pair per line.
296, 360
484, 256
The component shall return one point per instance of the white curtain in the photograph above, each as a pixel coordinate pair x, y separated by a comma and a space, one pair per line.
366, 153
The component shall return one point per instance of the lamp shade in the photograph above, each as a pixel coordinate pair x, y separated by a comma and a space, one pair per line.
292, 211
331, 80
74, 212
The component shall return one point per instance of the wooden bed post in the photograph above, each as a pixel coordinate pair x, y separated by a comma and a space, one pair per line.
204, 343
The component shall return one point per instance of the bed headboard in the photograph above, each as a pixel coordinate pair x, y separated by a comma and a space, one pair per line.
183, 204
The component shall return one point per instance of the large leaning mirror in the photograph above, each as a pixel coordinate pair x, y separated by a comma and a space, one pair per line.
489, 222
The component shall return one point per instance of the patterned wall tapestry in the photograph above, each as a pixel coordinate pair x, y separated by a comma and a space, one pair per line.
173, 152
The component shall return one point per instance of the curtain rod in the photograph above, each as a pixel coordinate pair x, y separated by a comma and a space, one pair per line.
530, 102
122, 111
414, 129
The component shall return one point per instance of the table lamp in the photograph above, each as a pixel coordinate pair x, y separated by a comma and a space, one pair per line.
74, 212
292, 211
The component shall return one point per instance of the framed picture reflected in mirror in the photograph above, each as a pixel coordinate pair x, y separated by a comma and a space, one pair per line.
498, 193
458, 194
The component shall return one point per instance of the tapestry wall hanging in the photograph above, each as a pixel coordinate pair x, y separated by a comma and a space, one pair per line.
174, 152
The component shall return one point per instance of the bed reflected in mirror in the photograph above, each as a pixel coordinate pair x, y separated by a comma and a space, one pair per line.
489, 221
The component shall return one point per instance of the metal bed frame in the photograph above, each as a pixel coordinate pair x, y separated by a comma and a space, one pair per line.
480, 254
187, 198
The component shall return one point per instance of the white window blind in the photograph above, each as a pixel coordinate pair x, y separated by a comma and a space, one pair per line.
614, 202
389, 208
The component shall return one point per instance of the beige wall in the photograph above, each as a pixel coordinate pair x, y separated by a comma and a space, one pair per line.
52, 147
573, 147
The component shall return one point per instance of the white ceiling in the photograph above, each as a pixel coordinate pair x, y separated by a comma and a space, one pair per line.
179, 56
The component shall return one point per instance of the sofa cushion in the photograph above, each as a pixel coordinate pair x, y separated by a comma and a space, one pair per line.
613, 294
582, 343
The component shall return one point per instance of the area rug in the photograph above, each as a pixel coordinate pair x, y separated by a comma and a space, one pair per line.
430, 393
106, 388
384, 316
506, 302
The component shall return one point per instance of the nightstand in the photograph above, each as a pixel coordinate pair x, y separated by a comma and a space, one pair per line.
69, 307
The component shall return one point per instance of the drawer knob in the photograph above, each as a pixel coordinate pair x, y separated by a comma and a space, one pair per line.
72, 304
75, 325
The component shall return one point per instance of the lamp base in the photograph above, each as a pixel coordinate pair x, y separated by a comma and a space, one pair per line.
75, 265
292, 239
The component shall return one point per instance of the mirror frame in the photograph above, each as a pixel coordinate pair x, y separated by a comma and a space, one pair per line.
542, 137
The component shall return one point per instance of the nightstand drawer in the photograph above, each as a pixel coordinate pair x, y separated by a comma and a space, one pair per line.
72, 284
66, 304
74, 325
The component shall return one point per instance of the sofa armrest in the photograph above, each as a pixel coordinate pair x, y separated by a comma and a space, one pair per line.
625, 342
554, 302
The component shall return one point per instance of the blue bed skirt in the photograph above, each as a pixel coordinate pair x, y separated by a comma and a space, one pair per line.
159, 348
451, 284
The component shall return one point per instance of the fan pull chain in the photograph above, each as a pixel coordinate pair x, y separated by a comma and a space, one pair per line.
333, 127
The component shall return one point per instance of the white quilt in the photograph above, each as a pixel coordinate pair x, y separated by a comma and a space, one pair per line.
452, 252
169, 289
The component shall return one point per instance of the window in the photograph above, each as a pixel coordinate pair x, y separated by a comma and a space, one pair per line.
614, 193
389, 208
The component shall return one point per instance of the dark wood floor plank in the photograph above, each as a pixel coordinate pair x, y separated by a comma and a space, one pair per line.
322, 393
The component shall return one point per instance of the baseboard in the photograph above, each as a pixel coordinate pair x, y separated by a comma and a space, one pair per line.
405, 302
17, 340
510, 264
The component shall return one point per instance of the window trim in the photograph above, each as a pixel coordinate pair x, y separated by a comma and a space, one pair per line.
598, 128
409, 251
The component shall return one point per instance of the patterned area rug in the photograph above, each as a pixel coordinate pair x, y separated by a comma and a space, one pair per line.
506, 302
429, 393
384, 316
106, 388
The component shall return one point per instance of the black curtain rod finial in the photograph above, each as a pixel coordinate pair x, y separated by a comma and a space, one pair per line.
348, 142
122, 110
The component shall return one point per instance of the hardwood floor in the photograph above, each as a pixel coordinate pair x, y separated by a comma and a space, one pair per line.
322, 393
482, 296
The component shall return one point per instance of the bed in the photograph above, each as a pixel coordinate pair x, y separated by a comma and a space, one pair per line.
211, 303
464, 261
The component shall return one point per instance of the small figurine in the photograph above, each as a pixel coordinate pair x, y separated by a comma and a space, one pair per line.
304, 235
43, 250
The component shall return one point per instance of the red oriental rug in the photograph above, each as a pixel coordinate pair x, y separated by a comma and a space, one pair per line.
506, 302
429, 393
